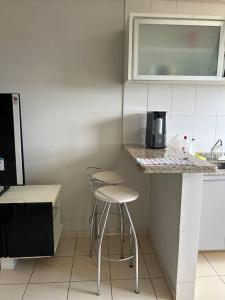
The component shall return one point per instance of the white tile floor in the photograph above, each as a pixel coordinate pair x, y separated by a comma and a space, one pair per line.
71, 275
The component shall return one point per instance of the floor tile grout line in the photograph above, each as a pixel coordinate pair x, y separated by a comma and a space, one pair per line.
30, 278
71, 272
132, 278
150, 276
222, 279
210, 263
75, 246
203, 276
41, 282
143, 255
20, 283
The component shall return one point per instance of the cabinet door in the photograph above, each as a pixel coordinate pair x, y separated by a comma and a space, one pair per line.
29, 229
212, 227
177, 48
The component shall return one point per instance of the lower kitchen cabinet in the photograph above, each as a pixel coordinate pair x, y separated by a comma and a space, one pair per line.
212, 226
30, 221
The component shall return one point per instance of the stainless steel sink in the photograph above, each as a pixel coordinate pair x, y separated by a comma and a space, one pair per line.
219, 164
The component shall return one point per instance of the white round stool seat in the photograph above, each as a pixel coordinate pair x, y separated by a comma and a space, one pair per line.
116, 194
108, 177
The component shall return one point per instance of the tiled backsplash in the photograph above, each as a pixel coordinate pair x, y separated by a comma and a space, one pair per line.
197, 111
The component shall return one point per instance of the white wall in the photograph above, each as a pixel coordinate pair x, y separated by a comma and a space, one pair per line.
65, 58
196, 111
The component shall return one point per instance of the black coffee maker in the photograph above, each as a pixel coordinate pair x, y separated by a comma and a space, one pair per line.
156, 130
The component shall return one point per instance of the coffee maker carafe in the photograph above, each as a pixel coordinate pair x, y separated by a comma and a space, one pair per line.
156, 130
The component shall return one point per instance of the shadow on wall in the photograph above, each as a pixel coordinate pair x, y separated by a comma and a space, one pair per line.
138, 180
85, 64
68, 80
100, 147
134, 128
68, 168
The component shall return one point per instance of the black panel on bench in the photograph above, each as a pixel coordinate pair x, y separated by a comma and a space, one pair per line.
26, 230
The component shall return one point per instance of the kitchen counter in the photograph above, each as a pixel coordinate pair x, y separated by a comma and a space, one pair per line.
175, 202
218, 172
198, 166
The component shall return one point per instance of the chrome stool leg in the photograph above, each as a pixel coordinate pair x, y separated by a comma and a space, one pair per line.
136, 249
100, 243
121, 230
96, 222
100, 221
131, 246
92, 219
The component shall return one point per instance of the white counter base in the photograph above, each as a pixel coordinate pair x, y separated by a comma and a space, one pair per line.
175, 210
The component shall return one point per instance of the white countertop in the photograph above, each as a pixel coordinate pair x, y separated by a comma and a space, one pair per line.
31, 194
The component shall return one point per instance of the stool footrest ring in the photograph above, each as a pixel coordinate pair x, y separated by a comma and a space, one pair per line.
117, 259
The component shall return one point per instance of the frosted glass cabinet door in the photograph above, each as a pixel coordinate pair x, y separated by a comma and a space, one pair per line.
181, 48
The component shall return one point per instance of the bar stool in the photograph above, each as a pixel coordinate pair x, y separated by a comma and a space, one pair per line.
98, 177
120, 195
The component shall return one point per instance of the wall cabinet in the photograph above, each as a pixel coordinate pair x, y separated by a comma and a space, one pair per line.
30, 221
212, 227
163, 48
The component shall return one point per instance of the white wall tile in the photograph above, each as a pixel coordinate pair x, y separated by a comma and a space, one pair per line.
136, 6
183, 99
181, 126
159, 97
189, 7
135, 98
207, 98
134, 112
220, 128
216, 9
134, 128
221, 105
164, 6
168, 127
204, 132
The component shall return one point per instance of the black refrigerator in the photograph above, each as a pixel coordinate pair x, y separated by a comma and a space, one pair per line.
11, 146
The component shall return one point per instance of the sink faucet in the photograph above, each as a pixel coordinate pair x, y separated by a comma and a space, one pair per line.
219, 143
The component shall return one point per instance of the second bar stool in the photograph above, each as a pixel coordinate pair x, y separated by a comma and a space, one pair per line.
98, 177
121, 195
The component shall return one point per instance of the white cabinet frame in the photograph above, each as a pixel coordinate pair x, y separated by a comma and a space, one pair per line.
131, 69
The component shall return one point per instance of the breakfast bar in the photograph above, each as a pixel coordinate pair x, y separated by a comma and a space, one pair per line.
175, 196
